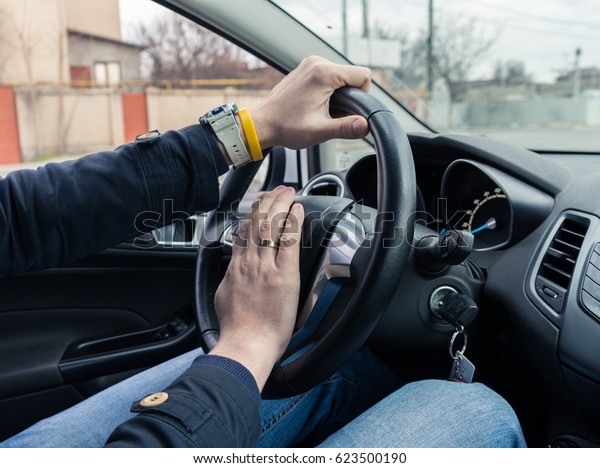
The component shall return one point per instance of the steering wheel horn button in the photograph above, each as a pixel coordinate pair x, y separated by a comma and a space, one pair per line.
154, 400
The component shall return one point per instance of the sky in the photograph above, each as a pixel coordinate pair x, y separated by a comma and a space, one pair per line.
544, 34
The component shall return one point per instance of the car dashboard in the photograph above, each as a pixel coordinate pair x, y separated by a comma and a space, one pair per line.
534, 271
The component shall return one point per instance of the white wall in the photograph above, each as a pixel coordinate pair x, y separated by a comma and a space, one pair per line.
536, 112
92, 121
172, 109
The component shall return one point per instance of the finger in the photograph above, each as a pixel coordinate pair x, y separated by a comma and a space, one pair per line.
288, 254
243, 238
350, 75
350, 127
338, 75
280, 210
261, 223
277, 218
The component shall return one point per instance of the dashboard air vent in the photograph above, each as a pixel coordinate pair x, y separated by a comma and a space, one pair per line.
558, 264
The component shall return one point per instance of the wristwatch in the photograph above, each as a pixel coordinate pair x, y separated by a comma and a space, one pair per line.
223, 122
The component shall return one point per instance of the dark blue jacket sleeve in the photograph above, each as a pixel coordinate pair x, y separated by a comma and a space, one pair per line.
215, 403
63, 212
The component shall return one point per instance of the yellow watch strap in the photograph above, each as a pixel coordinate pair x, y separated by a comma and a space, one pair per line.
250, 132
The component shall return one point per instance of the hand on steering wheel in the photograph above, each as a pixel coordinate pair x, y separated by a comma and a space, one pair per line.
257, 301
344, 286
296, 115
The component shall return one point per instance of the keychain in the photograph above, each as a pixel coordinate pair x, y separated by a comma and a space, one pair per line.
462, 368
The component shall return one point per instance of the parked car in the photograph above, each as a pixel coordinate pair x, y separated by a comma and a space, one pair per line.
534, 268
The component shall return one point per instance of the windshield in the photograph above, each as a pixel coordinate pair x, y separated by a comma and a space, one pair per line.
526, 73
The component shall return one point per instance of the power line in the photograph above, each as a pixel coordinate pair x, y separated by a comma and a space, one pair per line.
541, 32
521, 14
509, 24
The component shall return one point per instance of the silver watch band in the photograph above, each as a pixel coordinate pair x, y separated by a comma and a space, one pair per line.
224, 124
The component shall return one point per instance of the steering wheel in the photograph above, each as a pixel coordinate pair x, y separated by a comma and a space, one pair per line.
351, 260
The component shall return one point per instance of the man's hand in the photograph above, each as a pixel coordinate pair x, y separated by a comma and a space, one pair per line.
296, 112
258, 299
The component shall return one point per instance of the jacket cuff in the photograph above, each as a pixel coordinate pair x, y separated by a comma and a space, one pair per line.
232, 367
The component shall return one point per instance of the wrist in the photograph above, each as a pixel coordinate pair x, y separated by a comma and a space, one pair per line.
264, 129
255, 355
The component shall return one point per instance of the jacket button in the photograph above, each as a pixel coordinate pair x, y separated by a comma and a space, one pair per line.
154, 400
148, 136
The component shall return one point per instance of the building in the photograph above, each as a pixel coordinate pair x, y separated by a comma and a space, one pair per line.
101, 61
54, 41
63, 66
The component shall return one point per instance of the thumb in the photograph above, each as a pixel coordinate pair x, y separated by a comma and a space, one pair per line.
350, 127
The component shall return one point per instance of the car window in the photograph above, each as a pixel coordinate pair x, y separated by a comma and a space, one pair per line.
78, 77
339, 155
527, 73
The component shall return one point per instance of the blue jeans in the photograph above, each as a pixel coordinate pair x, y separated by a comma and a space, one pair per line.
340, 412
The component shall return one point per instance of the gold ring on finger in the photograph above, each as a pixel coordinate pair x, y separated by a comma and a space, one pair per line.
268, 243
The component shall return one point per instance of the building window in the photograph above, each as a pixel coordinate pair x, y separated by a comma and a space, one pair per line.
81, 76
107, 73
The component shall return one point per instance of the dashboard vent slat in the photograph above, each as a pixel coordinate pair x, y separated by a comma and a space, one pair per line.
558, 264
572, 233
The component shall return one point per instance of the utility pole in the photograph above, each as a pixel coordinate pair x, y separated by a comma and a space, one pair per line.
366, 33
430, 53
344, 28
365, 18
577, 74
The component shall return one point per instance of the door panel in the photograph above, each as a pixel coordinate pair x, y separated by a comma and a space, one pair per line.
34, 341
68, 332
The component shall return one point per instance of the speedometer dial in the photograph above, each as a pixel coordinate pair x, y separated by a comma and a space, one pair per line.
477, 203
488, 218
495, 207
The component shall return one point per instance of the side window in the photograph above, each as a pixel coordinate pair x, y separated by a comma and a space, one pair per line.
66, 67
339, 155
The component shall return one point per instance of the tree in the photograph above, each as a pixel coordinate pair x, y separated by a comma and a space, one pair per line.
511, 72
413, 70
178, 49
21, 36
459, 45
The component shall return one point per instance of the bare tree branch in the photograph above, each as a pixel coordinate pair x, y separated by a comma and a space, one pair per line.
178, 49
459, 45
511, 72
